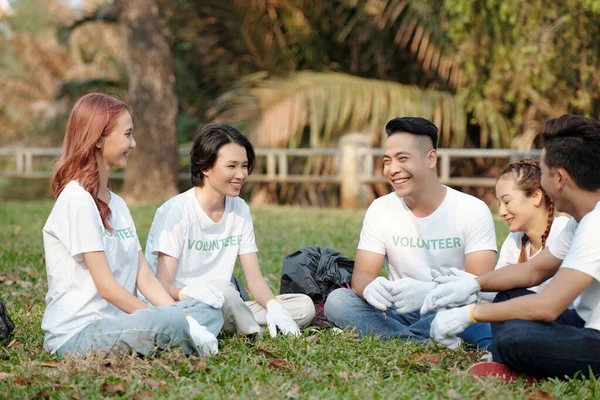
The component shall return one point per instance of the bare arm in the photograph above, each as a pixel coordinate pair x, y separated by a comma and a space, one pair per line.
108, 288
523, 275
150, 287
366, 268
480, 262
562, 290
166, 267
255, 280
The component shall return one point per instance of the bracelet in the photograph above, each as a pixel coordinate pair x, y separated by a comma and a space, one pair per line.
471, 307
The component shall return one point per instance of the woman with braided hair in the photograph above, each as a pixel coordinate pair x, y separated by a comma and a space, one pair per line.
529, 213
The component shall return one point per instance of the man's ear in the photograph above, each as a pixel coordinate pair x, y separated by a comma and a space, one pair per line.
562, 178
432, 158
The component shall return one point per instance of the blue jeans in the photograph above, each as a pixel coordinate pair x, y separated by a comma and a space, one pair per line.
546, 349
346, 310
146, 332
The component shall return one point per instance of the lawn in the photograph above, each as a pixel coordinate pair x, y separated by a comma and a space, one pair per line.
320, 364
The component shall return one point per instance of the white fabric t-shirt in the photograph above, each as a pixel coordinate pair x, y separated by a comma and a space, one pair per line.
206, 250
578, 247
511, 248
74, 227
414, 246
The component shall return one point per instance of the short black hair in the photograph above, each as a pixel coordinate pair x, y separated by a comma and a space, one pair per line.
572, 142
414, 125
205, 149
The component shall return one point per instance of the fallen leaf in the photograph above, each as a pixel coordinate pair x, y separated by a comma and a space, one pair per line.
119, 388
432, 358
266, 353
50, 364
343, 375
76, 396
3, 375
20, 380
42, 394
152, 383
145, 395
280, 363
453, 394
199, 364
294, 392
8, 282
539, 394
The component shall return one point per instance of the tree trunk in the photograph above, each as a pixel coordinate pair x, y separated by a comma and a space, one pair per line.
151, 175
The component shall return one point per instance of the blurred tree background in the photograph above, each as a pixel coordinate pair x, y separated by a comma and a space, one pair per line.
302, 73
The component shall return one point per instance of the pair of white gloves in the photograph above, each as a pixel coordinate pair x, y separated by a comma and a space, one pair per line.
407, 295
277, 316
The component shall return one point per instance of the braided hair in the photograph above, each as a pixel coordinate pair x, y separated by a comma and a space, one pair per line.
528, 178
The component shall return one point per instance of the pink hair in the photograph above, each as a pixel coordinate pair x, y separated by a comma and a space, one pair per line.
93, 116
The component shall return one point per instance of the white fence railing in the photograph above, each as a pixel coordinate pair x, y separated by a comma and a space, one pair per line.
354, 166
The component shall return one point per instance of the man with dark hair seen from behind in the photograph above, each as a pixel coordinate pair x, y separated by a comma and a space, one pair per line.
420, 229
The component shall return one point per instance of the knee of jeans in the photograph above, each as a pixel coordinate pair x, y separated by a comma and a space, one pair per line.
337, 301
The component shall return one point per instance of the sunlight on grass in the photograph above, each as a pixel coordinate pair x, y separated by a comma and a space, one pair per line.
321, 364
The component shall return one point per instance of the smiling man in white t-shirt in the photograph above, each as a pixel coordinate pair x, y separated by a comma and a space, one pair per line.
536, 333
421, 227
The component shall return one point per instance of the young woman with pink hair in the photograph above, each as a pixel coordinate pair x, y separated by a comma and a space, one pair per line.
94, 261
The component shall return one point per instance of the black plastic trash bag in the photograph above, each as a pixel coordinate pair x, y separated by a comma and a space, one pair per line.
6, 324
315, 271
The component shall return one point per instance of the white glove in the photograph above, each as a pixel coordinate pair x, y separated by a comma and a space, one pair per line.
203, 339
279, 317
204, 292
448, 324
408, 294
451, 293
377, 293
455, 274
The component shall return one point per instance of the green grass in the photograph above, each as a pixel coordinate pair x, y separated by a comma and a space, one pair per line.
317, 365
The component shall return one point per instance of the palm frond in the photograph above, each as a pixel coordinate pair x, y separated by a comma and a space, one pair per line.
418, 30
277, 111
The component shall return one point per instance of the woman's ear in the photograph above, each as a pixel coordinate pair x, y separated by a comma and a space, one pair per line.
537, 198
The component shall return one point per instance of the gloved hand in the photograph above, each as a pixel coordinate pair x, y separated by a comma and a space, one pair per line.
408, 294
204, 292
448, 324
279, 317
203, 339
455, 274
451, 293
377, 293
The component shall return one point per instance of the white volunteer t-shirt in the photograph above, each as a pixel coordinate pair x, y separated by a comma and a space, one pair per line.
206, 250
578, 247
511, 248
74, 227
414, 246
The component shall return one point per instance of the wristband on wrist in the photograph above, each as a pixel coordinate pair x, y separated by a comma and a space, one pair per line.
471, 307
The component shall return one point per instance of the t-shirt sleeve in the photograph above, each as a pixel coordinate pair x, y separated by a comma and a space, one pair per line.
510, 251
584, 253
559, 246
371, 235
248, 242
168, 232
480, 232
78, 228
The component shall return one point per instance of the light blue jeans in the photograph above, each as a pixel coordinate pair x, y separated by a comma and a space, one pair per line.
346, 310
146, 332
